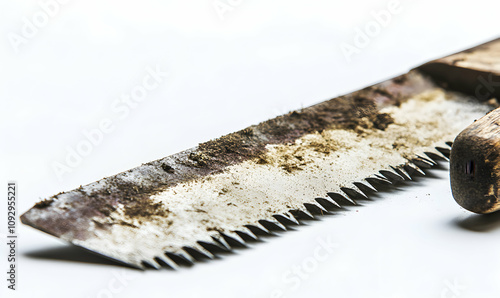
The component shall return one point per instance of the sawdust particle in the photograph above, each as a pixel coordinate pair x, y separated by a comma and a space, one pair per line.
144, 208
200, 159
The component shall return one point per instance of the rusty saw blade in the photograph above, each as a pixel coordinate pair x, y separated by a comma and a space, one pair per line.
231, 190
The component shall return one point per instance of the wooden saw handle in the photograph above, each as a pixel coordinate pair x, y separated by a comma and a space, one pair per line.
475, 154
475, 165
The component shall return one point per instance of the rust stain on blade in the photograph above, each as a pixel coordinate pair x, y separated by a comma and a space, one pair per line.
67, 214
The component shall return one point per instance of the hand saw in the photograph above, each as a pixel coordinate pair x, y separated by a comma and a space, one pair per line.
232, 190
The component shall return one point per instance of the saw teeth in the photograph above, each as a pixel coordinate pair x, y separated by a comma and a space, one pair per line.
219, 239
378, 182
392, 176
285, 220
234, 240
302, 214
357, 189
449, 144
206, 253
413, 169
437, 156
379, 176
353, 194
365, 188
329, 201
247, 235
277, 223
290, 215
315, 209
272, 226
303, 210
258, 230
328, 204
141, 266
318, 205
185, 258
444, 151
165, 262
152, 264
433, 157
260, 226
423, 162
402, 172
213, 247
198, 253
340, 199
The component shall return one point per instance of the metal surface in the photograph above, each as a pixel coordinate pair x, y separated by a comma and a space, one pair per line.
228, 191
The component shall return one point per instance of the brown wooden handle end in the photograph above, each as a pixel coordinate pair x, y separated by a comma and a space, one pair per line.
475, 165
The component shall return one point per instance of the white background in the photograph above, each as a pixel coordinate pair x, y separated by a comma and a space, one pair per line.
259, 60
